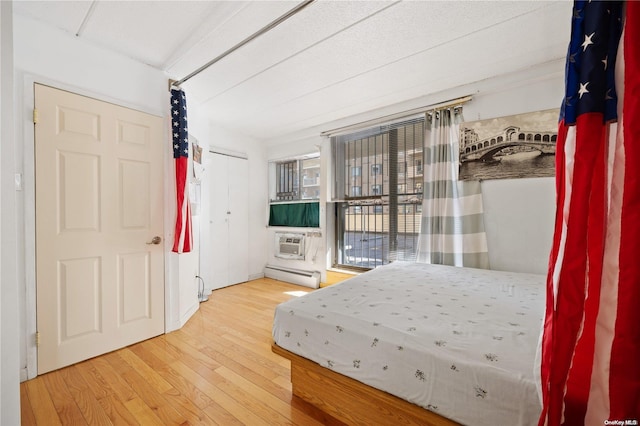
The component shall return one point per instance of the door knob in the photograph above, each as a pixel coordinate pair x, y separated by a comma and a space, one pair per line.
155, 240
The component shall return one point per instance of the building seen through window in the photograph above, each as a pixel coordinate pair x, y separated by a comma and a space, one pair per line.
379, 181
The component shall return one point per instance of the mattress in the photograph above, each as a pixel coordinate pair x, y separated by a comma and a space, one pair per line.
457, 341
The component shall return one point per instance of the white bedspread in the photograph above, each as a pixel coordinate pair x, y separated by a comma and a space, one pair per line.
457, 341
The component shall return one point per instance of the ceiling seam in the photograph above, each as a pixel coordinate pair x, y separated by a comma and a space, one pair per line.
300, 52
270, 26
270, 107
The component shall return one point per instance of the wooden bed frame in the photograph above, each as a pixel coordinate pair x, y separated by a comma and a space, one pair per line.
350, 401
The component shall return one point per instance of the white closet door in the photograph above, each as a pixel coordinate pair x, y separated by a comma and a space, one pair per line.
219, 222
229, 220
238, 220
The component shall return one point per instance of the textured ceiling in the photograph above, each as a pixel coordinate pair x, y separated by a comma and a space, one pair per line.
334, 59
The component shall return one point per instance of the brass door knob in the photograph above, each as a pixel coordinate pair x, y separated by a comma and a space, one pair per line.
155, 240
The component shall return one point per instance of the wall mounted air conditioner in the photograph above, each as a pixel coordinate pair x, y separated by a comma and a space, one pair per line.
290, 246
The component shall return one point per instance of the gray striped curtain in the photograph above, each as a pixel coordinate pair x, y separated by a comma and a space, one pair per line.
452, 228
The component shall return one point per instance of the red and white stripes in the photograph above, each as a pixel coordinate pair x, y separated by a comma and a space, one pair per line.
591, 345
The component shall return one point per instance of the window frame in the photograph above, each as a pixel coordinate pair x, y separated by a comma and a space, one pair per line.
384, 157
291, 174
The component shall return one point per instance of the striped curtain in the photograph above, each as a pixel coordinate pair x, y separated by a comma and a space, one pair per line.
452, 228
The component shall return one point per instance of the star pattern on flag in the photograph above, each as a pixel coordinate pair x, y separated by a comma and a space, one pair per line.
591, 63
587, 41
583, 89
180, 132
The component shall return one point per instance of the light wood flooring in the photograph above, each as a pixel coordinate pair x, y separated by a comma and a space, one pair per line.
334, 277
217, 370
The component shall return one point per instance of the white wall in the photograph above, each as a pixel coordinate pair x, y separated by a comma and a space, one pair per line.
50, 56
188, 271
186, 266
9, 311
519, 213
519, 220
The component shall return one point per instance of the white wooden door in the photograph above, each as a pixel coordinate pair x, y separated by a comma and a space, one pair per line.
238, 220
219, 221
100, 284
229, 210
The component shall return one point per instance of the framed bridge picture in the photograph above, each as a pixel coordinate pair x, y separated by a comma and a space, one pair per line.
515, 146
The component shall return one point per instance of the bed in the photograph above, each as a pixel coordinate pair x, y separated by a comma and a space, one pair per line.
413, 343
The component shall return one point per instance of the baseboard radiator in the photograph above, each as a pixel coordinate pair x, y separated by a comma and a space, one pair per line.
294, 276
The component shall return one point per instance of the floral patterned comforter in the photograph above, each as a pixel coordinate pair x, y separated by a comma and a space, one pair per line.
457, 341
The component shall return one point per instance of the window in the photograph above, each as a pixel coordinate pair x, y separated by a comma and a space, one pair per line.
310, 172
294, 191
402, 167
287, 180
296, 180
418, 165
383, 223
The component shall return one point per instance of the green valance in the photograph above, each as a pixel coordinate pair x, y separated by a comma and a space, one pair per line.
305, 215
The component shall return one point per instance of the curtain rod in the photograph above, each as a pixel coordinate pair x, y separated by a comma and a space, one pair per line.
253, 36
373, 122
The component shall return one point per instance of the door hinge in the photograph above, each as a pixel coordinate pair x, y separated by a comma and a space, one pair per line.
37, 338
36, 116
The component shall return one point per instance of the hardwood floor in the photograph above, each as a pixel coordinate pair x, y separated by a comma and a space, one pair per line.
334, 277
217, 370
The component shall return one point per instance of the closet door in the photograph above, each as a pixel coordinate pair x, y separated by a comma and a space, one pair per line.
229, 235
219, 229
238, 208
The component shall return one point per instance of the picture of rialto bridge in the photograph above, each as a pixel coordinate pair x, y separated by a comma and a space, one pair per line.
511, 141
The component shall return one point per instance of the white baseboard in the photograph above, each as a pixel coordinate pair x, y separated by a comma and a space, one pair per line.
294, 276
188, 314
256, 276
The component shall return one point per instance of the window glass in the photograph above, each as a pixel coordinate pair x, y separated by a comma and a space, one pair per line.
295, 180
378, 194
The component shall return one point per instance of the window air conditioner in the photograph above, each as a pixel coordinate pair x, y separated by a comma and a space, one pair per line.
290, 246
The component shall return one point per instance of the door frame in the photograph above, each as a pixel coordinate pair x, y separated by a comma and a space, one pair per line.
26, 133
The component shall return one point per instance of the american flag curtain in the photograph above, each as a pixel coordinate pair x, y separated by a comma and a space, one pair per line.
591, 343
182, 236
